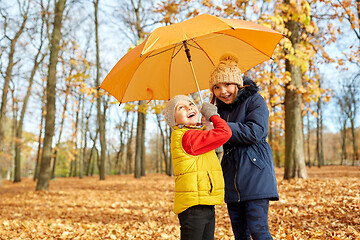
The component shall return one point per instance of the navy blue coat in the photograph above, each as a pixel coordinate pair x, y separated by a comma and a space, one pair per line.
247, 162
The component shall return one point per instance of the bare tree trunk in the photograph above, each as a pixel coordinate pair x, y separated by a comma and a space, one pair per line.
67, 91
143, 162
120, 154
355, 155
354, 90
19, 127
82, 129
138, 148
75, 137
308, 138
38, 155
96, 160
101, 116
91, 152
343, 145
319, 140
44, 174
129, 153
135, 22
169, 170
15, 105
87, 165
294, 150
163, 145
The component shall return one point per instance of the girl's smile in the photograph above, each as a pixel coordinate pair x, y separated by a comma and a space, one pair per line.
226, 92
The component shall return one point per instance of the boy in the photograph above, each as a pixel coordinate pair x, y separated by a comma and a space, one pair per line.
199, 183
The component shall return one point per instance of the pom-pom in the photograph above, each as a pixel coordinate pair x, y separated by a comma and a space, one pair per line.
229, 57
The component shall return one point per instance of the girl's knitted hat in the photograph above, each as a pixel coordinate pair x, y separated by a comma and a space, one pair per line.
169, 111
227, 71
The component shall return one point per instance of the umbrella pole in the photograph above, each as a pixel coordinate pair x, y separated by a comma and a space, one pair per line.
187, 50
197, 85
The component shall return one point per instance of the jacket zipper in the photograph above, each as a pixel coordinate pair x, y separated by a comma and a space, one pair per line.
236, 167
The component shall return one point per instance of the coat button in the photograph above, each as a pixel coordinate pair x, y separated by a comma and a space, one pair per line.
254, 159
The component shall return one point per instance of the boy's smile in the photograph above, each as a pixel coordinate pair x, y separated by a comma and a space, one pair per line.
186, 113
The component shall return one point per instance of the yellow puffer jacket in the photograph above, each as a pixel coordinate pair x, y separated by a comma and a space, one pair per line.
198, 179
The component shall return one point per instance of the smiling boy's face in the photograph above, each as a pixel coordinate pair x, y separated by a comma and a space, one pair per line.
186, 113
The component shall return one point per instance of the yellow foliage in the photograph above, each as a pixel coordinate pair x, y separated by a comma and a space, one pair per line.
143, 108
129, 107
158, 108
116, 102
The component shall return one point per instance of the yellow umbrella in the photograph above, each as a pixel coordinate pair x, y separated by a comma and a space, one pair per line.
159, 67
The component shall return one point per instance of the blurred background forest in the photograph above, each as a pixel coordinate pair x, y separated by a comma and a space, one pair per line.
55, 122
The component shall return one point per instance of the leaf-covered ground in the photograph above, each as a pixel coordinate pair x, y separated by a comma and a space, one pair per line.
325, 206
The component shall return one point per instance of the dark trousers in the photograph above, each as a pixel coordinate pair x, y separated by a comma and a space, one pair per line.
250, 218
197, 223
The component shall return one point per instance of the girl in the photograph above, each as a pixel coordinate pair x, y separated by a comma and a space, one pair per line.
247, 162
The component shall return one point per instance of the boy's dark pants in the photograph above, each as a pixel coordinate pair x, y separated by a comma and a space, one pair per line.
250, 218
197, 223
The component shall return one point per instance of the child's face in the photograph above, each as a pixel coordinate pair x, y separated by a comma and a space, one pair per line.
226, 92
186, 113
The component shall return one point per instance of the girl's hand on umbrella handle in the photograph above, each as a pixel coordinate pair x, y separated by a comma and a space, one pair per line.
208, 110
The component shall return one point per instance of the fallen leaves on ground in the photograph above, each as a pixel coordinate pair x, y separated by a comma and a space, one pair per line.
325, 206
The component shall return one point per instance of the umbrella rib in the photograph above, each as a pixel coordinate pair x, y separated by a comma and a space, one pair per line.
200, 48
195, 46
173, 56
170, 73
164, 50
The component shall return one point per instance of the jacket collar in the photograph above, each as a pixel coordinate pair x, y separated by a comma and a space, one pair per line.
250, 88
198, 126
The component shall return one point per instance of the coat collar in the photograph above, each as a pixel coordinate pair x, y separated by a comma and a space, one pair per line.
250, 88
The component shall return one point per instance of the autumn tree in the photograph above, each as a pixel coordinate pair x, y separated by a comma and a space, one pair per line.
40, 135
348, 102
44, 174
38, 59
134, 15
163, 139
294, 150
24, 8
100, 104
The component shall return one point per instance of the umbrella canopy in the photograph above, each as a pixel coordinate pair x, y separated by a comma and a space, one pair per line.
159, 67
